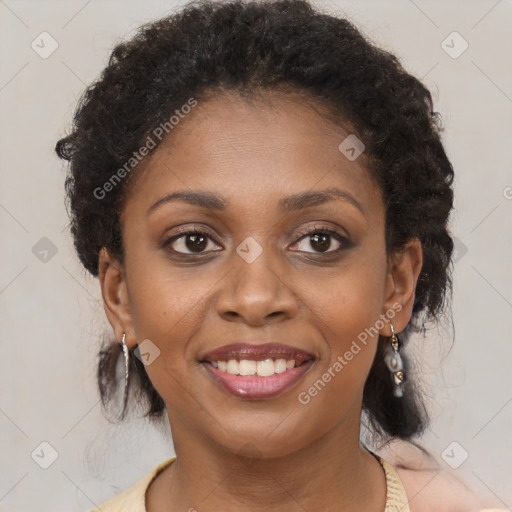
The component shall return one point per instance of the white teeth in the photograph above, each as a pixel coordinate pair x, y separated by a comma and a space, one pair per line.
280, 365
247, 367
233, 367
265, 368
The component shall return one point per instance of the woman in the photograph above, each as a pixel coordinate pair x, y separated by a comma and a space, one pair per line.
264, 197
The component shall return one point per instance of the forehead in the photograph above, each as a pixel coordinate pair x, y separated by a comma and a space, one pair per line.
254, 150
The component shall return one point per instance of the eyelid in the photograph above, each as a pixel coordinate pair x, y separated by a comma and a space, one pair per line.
343, 240
179, 232
196, 229
204, 230
324, 228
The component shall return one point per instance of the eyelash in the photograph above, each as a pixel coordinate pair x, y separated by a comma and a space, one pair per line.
344, 241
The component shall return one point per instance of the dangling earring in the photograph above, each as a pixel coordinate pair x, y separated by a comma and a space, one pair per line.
127, 373
394, 363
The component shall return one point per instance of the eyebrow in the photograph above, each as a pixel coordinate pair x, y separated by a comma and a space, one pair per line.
291, 203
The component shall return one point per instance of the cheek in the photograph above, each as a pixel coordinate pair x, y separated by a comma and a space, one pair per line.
166, 307
169, 312
346, 308
163, 296
348, 301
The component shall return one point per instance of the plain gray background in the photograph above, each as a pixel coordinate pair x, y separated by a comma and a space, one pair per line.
51, 313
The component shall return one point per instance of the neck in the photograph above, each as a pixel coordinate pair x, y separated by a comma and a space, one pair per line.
333, 473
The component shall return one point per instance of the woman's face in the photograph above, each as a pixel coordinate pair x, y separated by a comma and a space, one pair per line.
256, 276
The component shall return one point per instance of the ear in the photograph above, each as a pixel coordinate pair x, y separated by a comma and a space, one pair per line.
404, 268
115, 296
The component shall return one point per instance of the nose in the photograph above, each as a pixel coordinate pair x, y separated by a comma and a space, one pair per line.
257, 292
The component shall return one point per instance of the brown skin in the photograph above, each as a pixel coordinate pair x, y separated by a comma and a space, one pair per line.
254, 154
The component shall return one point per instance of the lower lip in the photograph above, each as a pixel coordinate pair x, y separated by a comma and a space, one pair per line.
258, 387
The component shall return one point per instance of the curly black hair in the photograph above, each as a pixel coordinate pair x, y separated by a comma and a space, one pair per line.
245, 47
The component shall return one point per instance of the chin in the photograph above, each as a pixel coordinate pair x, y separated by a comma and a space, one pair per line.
265, 442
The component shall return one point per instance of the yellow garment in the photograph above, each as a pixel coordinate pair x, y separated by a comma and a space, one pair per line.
133, 499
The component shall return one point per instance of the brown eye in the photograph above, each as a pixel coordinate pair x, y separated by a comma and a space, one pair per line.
190, 242
322, 241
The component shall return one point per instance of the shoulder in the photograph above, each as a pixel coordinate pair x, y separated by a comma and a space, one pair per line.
436, 489
130, 500
133, 498
430, 487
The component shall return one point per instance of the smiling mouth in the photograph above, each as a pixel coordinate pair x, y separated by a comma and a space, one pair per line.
257, 380
250, 368
256, 370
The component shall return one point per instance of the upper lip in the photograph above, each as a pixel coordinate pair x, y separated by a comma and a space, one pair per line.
257, 351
